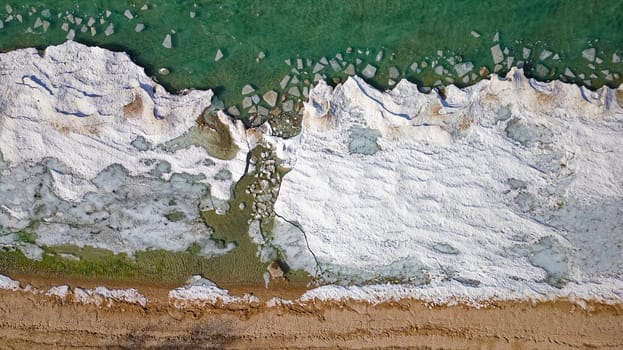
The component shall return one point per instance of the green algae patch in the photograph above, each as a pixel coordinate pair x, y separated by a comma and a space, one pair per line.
240, 265
211, 134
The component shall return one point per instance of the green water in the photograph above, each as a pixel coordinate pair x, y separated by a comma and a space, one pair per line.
435, 34
406, 31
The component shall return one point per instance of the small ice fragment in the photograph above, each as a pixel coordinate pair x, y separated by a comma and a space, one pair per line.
358, 61
247, 89
542, 70
466, 79
391, 82
506, 51
192, 14
38, 23
591, 66
413, 66
350, 70
475, 34
544, 55
84, 29
139, 27
305, 92
71, 35
234, 111
598, 60
556, 57
262, 111
8, 8
167, 41
526, 53
261, 55
145, 7
46, 13
317, 68
336, 66
271, 98
288, 106
463, 68
317, 77
294, 71
109, 30
70, 18
102, 21
509, 62
9, 18
91, 22
308, 62
299, 63
439, 53
128, 14
65, 26
369, 72
295, 80
569, 73
497, 67
247, 102
439, 70
379, 56
93, 31
608, 77
496, 37
284, 82
19, 17
496, 53
338, 56
616, 58
163, 71
324, 61
219, 55
78, 20
46, 25
589, 54
288, 62
108, 13
294, 91
423, 64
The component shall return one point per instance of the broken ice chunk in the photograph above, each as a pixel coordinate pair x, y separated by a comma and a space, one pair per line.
139, 27
589, 54
219, 55
284, 82
271, 98
128, 14
247, 89
475, 34
317, 68
544, 55
111, 29
167, 41
463, 68
496, 53
369, 72
394, 73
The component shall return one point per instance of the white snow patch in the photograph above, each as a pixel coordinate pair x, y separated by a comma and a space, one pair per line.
201, 291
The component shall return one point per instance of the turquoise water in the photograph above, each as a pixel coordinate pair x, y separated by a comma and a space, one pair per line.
436, 35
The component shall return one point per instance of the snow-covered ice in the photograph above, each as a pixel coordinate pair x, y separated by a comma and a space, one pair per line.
510, 183
97, 154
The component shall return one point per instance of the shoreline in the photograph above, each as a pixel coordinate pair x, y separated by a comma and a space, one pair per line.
47, 322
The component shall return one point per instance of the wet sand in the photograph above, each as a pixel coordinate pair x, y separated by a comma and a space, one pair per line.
29, 321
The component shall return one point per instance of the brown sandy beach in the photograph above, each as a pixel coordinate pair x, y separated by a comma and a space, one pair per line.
29, 321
